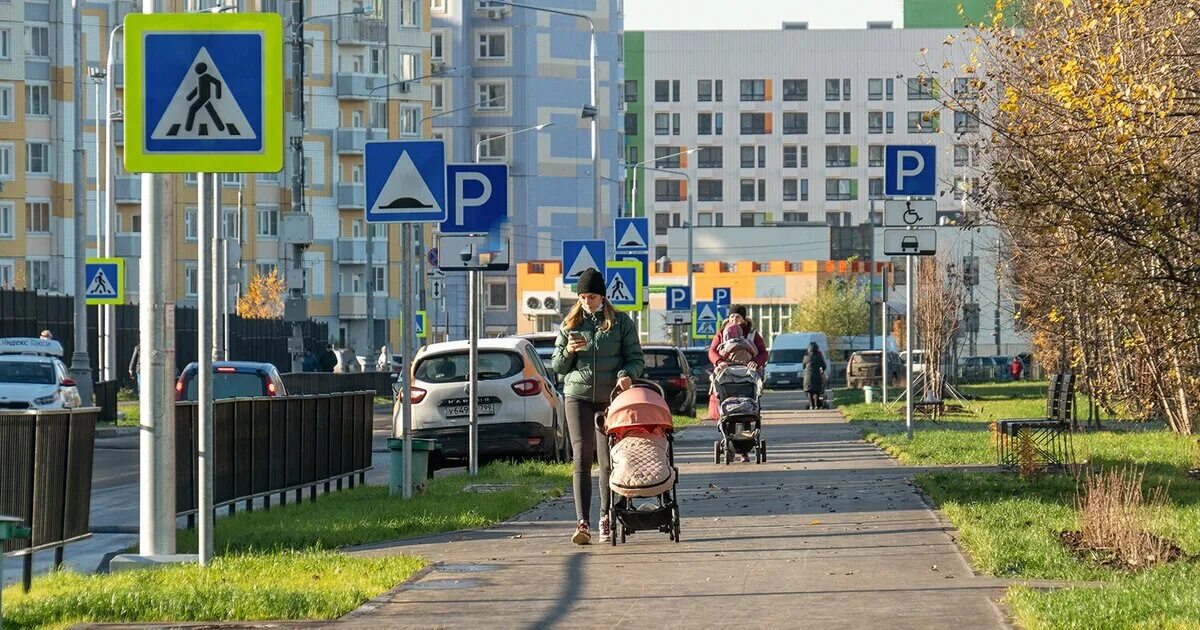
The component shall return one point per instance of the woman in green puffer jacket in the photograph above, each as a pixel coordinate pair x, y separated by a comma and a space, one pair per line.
597, 350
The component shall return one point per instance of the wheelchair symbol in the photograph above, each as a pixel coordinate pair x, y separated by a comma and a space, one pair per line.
910, 216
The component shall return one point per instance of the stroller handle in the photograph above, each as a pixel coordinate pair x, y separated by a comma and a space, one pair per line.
643, 383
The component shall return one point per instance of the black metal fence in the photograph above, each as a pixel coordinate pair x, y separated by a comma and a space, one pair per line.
326, 383
27, 313
46, 477
264, 447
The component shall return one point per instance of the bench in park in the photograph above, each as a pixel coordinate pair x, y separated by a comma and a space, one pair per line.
1049, 437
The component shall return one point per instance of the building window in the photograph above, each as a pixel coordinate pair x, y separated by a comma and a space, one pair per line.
37, 99
960, 184
6, 220
492, 95
6, 102
662, 124
231, 179
845, 89
704, 90
966, 88
494, 147
889, 122
837, 189
752, 157
833, 89
437, 6
7, 274
410, 118
675, 90
268, 222
704, 124
409, 13
875, 155
662, 91
191, 280
6, 161
37, 41
837, 219
661, 159
190, 226
795, 89
37, 275
838, 155
962, 155
710, 190
268, 178
803, 157
631, 91
718, 123
667, 190
753, 190
795, 123
845, 122
874, 122
37, 158
875, 188
491, 45
791, 190
789, 156
754, 90
710, 157
631, 124
921, 89
795, 217
965, 122
5, 43
751, 219
376, 62
380, 278
437, 95
804, 190
753, 124
675, 124
833, 122
922, 122
875, 89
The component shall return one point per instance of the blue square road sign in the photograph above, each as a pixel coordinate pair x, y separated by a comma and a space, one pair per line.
910, 170
405, 181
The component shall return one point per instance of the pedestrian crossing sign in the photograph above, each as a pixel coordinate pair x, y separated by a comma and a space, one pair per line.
704, 324
623, 283
204, 93
105, 280
422, 330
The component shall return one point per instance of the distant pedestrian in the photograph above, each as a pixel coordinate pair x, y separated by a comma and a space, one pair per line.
135, 368
1016, 368
309, 362
814, 374
46, 336
328, 360
384, 363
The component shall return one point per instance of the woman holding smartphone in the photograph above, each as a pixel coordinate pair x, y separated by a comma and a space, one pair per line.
597, 351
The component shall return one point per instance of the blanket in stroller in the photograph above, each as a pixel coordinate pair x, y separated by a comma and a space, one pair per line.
736, 347
641, 466
739, 406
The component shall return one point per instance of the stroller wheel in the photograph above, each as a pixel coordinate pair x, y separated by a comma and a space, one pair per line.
717, 452
622, 536
762, 450
728, 454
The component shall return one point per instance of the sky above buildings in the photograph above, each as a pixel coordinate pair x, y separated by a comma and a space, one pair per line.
648, 15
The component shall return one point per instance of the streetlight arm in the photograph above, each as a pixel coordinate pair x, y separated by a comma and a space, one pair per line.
591, 24
371, 91
479, 145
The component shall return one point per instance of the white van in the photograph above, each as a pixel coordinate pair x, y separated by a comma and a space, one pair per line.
785, 362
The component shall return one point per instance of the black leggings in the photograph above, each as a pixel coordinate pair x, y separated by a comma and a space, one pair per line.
581, 423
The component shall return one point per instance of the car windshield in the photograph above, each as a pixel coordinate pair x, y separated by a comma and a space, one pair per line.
698, 361
787, 356
662, 360
230, 385
1002, 361
27, 372
453, 367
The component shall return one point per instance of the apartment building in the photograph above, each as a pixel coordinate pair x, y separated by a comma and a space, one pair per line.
511, 68
346, 58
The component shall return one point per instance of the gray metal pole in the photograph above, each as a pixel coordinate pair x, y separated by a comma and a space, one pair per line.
101, 345
157, 323
370, 323
871, 287
593, 61
216, 220
110, 217
81, 367
407, 322
297, 145
206, 202
691, 228
883, 309
472, 369
908, 345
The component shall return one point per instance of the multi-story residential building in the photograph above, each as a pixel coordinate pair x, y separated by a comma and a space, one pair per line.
346, 58
510, 68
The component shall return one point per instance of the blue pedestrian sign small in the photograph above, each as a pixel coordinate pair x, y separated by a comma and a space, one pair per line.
105, 281
406, 181
707, 316
679, 298
623, 285
580, 255
477, 196
631, 234
910, 170
723, 296
419, 324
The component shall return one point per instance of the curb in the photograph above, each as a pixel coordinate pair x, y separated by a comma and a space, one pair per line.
115, 432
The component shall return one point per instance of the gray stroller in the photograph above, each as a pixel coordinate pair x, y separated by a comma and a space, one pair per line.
738, 389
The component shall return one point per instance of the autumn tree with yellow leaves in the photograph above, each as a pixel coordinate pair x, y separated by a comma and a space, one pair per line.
263, 298
1091, 164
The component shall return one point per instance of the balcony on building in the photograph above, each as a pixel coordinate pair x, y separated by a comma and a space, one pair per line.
356, 86
351, 196
361, 30
128, 245
354, 140
354, 306
353, 251
128, 189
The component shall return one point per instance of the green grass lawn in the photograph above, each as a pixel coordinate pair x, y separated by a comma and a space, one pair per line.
279, 564
690, 421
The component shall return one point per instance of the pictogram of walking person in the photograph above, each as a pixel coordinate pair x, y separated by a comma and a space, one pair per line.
203, 93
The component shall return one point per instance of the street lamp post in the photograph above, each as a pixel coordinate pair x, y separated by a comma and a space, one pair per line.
691, 222
107, 371
634, 167
109, 219
591, 110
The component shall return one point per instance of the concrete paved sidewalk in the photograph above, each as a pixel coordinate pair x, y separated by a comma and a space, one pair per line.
828, 533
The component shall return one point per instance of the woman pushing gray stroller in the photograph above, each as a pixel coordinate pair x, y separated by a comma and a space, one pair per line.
738, 355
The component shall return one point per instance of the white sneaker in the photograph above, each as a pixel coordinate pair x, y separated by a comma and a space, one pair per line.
605, 530
582, 536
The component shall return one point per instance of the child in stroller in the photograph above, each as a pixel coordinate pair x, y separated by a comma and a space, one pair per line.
640, 432
737, 385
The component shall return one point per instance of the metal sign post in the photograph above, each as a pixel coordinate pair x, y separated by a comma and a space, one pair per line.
406, 324
473, 284
908, 340
204, 378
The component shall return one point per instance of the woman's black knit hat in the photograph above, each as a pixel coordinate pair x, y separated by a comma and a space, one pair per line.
590, 281
738, 309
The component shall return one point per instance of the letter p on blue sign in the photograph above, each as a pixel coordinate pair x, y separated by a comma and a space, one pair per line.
911, 171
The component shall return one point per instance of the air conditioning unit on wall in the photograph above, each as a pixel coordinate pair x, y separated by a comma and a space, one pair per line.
539, 303
497, 14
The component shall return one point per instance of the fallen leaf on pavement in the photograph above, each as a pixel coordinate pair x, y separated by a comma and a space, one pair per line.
815, 522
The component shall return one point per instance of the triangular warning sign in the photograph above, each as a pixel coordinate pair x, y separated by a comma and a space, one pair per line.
618, 291
582, 262
706, 314
405, 189
706, 327
632, 238
100, 286
203, 107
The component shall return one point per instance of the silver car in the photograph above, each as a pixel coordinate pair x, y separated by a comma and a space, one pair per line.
33, 377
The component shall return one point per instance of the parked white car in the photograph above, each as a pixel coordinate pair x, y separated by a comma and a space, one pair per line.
33, 376
521, 412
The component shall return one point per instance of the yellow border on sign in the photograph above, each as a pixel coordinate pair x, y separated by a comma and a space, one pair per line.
423, 333
638, 294
696, 334
119, 280
137, 25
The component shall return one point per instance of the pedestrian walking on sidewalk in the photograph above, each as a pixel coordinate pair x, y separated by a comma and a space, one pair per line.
597, 350
814, 374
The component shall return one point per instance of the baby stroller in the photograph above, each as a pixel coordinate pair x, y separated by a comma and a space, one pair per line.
643, 479
823, 397
738, 388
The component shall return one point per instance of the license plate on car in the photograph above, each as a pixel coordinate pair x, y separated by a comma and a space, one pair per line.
783, 381
462, 411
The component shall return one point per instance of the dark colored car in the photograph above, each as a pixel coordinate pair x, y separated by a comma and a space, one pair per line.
865, 366
667, 366
697, 359
232, 379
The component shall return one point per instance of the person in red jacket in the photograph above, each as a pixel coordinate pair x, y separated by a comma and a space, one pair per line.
737, 315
